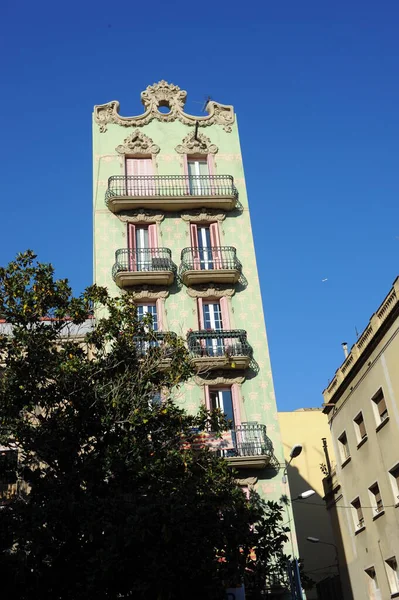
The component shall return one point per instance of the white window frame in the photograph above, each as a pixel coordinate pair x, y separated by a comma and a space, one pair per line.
392, 571
359, 438
373, 501
394, 483
376, 412
372, 583
343, 446
355, 515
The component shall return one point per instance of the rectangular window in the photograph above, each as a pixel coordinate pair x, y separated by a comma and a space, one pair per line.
358, 514
391, 567
376, 500
394, 477
198, 172
205, 243
148, 309
222, 399
380, 407
360, 427
372, 584
343, 447
140, 179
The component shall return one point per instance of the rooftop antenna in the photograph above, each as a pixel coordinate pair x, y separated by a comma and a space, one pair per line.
356, 331
206, 104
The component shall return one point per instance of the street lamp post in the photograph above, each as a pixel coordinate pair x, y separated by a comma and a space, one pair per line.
315, 540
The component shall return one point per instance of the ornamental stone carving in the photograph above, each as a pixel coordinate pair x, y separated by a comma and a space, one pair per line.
143, 216
205, 291
148, 293
196, 144
204, 214
247, 481
218, 378
163, 94
137, 143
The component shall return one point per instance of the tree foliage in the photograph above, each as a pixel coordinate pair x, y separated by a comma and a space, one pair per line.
114, 499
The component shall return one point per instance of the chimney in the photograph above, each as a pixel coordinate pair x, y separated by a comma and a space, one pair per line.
345, 348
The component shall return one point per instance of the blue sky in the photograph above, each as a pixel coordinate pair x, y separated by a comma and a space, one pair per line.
316, 90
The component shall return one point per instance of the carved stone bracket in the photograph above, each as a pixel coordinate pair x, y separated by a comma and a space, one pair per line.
204, 214
218, 378
206, 291
196, 144
137, 143
163, 94
249, 481
148, 293
144, 216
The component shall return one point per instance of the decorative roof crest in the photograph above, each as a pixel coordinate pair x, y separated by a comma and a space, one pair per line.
163, 94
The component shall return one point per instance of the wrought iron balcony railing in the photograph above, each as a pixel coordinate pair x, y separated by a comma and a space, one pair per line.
206, 259
154, 339
250, 439
142, 260
218, 343
246, 440
171, 186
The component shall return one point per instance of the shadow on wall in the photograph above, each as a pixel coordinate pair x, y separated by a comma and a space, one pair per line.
313, 520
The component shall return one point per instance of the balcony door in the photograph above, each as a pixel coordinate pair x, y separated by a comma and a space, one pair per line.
213, 316
198, 169
223, 400
139, 177
142, 245
206, 246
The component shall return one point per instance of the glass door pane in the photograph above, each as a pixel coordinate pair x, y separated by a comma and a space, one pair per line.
197, 168
142, 248
213, 321
205, 250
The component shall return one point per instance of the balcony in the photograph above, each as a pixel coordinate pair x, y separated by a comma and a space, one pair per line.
244, 447
218, 264
222, 349
137, 267
155, 340
170, 192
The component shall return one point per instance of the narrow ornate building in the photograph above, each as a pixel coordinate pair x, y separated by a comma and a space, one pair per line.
172, 228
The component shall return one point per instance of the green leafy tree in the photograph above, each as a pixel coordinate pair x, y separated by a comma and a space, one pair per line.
115, 496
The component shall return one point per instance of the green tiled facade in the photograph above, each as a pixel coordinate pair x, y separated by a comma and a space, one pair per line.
167, 131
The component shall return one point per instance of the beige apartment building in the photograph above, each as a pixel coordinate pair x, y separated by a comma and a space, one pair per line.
308, 427
362, 492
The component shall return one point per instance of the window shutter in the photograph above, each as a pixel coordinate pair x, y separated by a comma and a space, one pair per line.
201, 314
131, 236
214, 231
215, 244
152, 236
235, 397
159, 307
207, 397
225, 313
194, 245
211, 164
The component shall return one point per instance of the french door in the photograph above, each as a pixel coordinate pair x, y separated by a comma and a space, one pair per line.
197, 168
139, 177
143, 246
206, 246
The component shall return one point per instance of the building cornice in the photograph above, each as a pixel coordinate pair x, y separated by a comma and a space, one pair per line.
378, 325
163, 94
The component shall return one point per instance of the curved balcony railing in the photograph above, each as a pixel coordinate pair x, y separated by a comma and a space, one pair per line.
207, 259
154, 339
246, 440
165, 186
218, 343
142, 260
